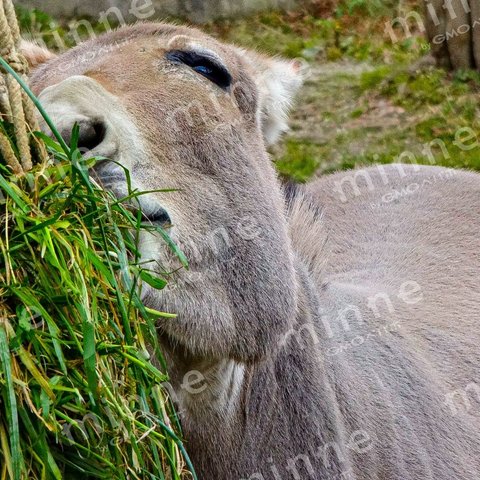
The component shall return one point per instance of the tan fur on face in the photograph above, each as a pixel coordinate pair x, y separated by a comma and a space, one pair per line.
320, 331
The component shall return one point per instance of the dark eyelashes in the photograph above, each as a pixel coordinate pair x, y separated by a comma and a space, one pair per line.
203, 65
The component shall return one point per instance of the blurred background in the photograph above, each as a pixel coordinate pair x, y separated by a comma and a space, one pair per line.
375, 91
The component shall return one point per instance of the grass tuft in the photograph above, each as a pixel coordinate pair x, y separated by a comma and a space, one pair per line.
81, 374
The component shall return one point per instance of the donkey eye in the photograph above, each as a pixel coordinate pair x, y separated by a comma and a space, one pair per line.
203, 69
205, 66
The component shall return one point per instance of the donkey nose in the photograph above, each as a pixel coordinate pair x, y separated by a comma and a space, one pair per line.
82, 101
91, 134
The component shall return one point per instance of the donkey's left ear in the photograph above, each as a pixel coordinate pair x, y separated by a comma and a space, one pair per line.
278, 82
35, 54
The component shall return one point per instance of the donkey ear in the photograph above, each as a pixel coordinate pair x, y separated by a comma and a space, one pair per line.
278, 81
35, 54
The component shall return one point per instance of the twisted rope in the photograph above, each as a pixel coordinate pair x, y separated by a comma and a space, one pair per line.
15, 106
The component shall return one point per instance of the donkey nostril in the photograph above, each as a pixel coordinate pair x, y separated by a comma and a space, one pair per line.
90, 135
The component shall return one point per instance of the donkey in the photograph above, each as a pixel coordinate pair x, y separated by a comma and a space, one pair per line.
325, 331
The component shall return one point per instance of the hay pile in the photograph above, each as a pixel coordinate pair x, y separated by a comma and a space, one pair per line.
79, 396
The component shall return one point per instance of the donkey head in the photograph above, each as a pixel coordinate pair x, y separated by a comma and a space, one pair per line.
183, 112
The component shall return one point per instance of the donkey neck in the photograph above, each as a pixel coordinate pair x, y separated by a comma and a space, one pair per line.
237, 417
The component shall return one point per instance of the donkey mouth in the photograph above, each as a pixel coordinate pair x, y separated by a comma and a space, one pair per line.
113, 178
159, 217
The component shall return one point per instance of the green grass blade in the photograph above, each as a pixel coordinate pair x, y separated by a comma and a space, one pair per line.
11, 405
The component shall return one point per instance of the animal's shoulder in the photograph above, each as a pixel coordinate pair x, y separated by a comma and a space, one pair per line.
380, 225
376, 210
401, 247
399, 256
